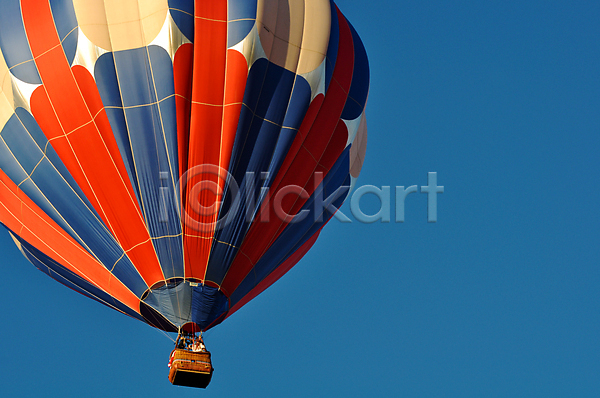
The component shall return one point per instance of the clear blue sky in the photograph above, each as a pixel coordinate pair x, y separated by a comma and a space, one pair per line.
499, 298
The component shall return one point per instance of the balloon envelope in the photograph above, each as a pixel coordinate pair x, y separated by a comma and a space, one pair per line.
172, 159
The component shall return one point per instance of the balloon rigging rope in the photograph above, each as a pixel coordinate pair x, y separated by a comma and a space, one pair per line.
167, 334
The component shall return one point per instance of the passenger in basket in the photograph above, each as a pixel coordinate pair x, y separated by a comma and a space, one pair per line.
196, 346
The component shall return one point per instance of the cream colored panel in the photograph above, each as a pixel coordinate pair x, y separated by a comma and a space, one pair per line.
116, 25
281, 23
6, 93
91, 18
294, 34
317, 27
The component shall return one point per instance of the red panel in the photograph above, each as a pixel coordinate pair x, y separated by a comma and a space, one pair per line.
21, 215
205, 138
92, 98
235, 85
182, 71
237, 73
87, 151
215, 10
219, 127
300, 164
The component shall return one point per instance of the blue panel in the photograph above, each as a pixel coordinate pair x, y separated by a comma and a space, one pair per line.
135, 77
241, 9
180, 303
19, 155
182, 12
359, 89
237, 31
268, 92
12, 136
108, 87
118, 124
299, 103
208, 306
105, 75
332, 49
297, 108
58, 196
157, 191
64, 17
162, 72
146, 132
69, 279
275, 94
172, 301
25, 123
14, 44
241, 15
8, 164
261, 145
65, 22
70, 46
296, 234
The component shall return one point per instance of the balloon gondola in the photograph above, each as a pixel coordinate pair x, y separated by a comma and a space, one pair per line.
189, 362
172, 159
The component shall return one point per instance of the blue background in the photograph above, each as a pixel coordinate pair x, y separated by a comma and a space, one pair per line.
499, 298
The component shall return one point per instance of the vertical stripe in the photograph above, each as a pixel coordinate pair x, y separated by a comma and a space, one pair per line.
206, 138
301, 163
84, 148
182, 73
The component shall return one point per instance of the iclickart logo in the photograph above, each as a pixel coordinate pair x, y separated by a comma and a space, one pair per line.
208, 206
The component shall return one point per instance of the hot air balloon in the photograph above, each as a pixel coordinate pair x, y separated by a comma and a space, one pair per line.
172, 159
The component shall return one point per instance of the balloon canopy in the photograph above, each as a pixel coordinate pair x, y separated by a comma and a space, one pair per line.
172, 159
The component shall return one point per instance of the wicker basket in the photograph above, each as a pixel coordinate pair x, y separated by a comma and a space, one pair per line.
191, 369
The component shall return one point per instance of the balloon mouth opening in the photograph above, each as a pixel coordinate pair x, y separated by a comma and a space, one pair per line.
186, 304
168, 283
